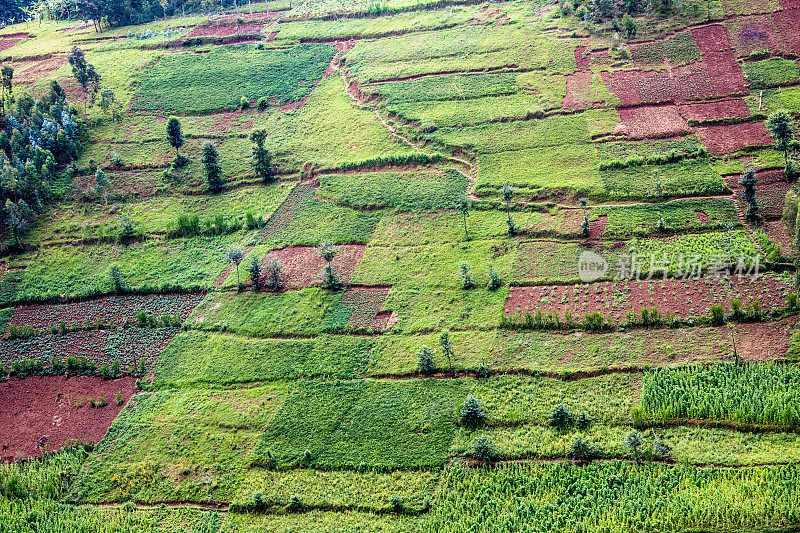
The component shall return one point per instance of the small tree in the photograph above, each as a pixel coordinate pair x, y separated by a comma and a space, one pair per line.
633, 441
630, 26
446, 347
85, 74
585, 227
468, 282
329, 278
234, 255
483, 449
425, 363
581, 450
175, 135
583, 421
780, 126
117, 279
472, 414
254, 268
261, 158
273, 273
560, 418
464, 206
102, 184
211, 166
495, 281
508, 194
748, 182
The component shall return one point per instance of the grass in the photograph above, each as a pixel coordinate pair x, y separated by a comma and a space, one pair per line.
460, 113
656, 497
150, 265
179, 82
680, 49
363, 425
180, 445
409, 191
452, 87
320, 522
611, 151
782, 98
678, 215
762, 395
770, 72
684, 178
541, 170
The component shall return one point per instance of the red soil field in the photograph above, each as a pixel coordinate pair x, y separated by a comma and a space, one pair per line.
301, 266
42, 410
119, 309
597, 227
634, 87
787, 23
790, 4
30, 72
726, 72
753, 34
728, 108
617, 299
653, 121
367, 305
779, 233
580, 60
729, 139
224, 30
711, 38
578, 87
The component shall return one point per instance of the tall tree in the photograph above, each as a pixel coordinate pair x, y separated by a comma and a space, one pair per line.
85, 74
174, 134
508, 194
211, 166
781, 127
261, 159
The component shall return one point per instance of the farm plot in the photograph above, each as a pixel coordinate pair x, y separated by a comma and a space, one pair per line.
683, 299
48, 412
322, 521
716, 110
130, 184
647, 150
586, 90
679, 49
181, 445
670, 497
179, 82
302, 266
91, 349
420, 189
111, 309
362, 308
549, 261
747, 7
677, 216
653, 122
786, 22
771, 72
729, 139
754, 34
225, 30
684, 178
373, 424
450, 87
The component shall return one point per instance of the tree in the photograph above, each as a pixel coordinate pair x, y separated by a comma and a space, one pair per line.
117, 279
174, 135
110, 105
84, 73
583, 422
508, 194
235, 254
483, 449
261, 159
273, 272
495, 281
585, 227
630, 25
472, 414
6, 75
748, 182
254, 268
447, 348
425, 362
329, 278
468, 283
781, 127
211, 166
633, 441
464, 206
581, 450
560, 418
102, 184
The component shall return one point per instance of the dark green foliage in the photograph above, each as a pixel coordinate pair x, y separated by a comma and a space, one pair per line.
235, 255
560, 418
508, 193
329, 278
254, 269
84, 73
117, 278
467, 281
583, 422
495, 281
717, 314
261, 158
782, 128
634, 441
212, 168
295, 504
483, 449
447, 348
273, 273
425, 363
472, 415
581, 450
174, 135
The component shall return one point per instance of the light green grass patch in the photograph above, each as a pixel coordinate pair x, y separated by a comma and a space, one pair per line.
690, 177
321, 522
449, 87
678, 216
770, 72
460, 113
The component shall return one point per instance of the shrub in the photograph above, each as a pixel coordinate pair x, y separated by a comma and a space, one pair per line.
661, 448
468, 282
397, 504
425, 363
581, 450
495, 281
117, 279
273, 273
118, 397
583, 422
717, 315
258, 501
295, 504
211, 166
263, 104
472, 414
633, 441
244, 103
483, 449
254, 269
560, 418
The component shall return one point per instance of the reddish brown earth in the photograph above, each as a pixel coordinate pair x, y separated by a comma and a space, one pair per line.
5, 44
733, 138
578, 87
779, 233
42, 410
127, 183
653, 121
116, 309
790, 4
30, 72
787, 23
682, 298
753, 34
634, 87
224, 30
597, 227
367, 308
701, 216
711, 38
301, 266
718, 109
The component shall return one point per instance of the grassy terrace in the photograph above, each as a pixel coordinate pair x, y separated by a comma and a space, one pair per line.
178, 354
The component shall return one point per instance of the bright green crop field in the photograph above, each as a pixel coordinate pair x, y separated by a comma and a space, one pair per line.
399, 266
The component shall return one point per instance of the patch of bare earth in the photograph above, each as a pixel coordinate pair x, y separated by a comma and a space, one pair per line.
301, 266
366, 304
650, 122
733, 138
46, 412
718, 109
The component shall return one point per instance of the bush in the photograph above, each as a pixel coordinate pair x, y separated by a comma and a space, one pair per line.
483, 449
472, 415
244, 103
581, 450
426, 364
397, 504
717, 315
258, 501
633, 441
273, 273
583, 422
263, 104
560, 418
295, 504
468, 282
495, 281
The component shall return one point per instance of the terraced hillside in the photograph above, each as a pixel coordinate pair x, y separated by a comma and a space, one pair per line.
444, 266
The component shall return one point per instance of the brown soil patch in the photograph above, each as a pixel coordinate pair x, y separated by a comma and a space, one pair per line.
580, 60
719, 109
779, 233
682, 298
790, 4
651, 122
301, 266
711, 38
771, 198
703, 217
579, 87
729, 139
225, 30
36, 70
634, 87
787, 24
766, 341
116, 309
753, 34
42, 410
366, 304
129, 183
5, 44
597, 227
